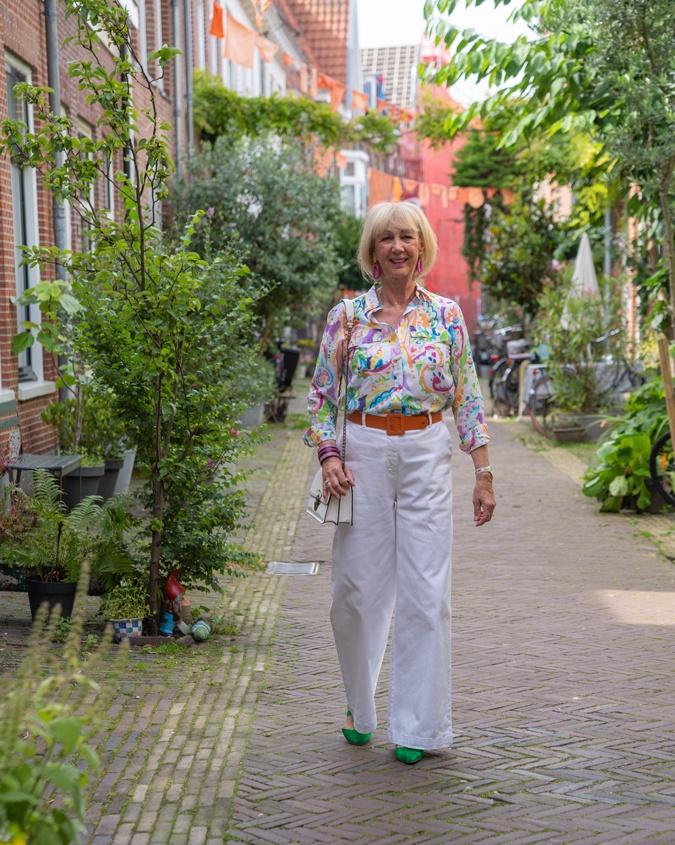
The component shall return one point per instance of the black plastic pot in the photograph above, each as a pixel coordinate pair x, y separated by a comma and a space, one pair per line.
80, 483
107, 483
290, 364
53, 593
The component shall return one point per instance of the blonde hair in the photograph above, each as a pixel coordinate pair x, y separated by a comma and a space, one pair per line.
403, 215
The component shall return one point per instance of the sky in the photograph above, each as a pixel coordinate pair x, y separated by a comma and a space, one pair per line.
388, 23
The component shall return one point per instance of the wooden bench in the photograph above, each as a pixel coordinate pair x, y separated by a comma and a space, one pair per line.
58, 465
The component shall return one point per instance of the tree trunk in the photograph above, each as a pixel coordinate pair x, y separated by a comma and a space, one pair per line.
155, 548
668, 241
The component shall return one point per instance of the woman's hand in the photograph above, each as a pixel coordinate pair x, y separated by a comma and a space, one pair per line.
483, 499
335, 481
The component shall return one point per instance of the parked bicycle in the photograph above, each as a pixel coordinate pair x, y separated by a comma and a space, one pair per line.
544, 407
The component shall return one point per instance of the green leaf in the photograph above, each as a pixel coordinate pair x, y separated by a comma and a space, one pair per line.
21, 342
619, 486
69, 304
66, 730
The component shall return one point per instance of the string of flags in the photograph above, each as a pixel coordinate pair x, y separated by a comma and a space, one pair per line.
384, 187
240, 46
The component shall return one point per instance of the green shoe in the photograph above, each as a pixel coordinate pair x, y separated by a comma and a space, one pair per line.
354, 737
408, 755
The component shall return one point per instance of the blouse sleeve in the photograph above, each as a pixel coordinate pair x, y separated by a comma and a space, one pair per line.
468, 406
323, 392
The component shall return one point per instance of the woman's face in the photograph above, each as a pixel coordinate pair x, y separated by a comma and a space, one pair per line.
396, 251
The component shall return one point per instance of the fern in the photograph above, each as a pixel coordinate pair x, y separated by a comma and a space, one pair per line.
61, 540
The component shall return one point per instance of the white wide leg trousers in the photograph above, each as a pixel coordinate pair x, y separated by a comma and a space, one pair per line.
397, 553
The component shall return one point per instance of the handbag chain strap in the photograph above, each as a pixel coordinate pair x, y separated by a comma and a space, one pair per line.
349, 312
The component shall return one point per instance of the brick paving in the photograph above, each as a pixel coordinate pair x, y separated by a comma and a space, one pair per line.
564, 626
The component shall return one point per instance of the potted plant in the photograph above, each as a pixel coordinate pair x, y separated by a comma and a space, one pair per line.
253, 385
125, 607
86, 425
60, 540
16, 518
570, 328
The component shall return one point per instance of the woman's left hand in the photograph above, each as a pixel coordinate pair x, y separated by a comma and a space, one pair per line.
483, 499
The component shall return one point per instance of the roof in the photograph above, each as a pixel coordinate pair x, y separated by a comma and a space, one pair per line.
285, 10
325, 26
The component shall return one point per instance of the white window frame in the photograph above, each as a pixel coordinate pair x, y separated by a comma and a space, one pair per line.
86, 130
132, 7
201, 36
24, 180
159, 39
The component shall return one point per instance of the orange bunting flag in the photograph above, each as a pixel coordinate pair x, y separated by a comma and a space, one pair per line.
476, 198
397, 190
267, 48
239, 43
382, 105
424, 194
381, 187
340, 160
313, 83
453, 193
508, 196
323, 81
288, 60
217, 21
409, 186
359, 101
322, 160
393, 113
303, 79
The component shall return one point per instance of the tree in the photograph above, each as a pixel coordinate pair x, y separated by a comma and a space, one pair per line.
222, 113
482, 163
603, 66
518, 265
269, 203
160, 326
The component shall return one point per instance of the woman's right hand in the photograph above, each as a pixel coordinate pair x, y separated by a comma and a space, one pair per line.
335, 481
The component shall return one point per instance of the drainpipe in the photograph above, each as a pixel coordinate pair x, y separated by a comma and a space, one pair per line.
58, 211
177, 95
189, 103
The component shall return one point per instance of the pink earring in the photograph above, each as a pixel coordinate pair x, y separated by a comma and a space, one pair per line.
376, 271
420, 267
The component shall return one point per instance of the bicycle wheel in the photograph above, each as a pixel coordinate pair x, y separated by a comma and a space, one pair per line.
662, 468
496, 375
543, 406
511, 385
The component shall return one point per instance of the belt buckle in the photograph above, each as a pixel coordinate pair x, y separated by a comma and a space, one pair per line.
395, 424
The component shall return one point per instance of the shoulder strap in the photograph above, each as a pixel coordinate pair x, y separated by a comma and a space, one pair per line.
344, 372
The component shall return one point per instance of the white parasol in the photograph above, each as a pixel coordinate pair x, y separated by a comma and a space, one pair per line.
584, 280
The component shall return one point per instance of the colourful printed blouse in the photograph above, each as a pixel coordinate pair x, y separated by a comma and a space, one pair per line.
424, 365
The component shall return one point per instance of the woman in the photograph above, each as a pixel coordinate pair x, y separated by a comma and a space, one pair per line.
409, 360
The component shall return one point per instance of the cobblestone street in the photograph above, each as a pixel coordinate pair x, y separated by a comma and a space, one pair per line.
563, 625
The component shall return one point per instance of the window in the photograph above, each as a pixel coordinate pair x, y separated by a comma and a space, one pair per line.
84, 130
143, 35
108, 191
350, 169
159, 39
24, 207
132, 7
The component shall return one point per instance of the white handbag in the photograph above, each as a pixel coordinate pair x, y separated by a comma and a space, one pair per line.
331, 508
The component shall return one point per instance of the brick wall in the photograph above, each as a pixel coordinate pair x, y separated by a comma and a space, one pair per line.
22, 36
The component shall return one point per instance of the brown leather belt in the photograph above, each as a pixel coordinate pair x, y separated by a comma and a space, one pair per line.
395, 423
